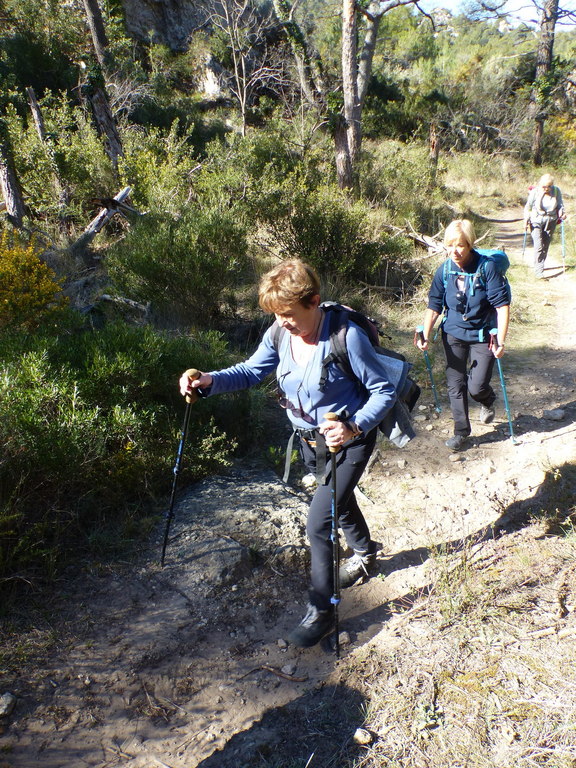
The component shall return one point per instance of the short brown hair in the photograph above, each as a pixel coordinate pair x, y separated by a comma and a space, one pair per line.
291, 282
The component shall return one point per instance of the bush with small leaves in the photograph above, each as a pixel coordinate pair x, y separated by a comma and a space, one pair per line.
89, 424
181, 265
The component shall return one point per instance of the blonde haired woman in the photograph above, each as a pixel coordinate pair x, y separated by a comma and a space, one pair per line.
543, 209
472, 306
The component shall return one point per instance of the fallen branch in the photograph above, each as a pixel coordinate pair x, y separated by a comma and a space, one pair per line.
112, 206
144, 308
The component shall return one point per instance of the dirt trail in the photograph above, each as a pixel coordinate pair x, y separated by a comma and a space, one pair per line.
172, 667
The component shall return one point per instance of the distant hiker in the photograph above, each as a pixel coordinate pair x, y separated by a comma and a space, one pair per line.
543, 210
292, 292
475, 297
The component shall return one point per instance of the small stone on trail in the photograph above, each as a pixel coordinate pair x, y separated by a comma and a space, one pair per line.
344, 638
422, 407
362, 736
7, 704
420, 417
429, 427
556, 414
288, 669
402, 463
454, 457
282, 644
308, 481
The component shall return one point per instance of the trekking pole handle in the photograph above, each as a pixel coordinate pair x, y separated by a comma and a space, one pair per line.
332, 417
420, 333
493, 338
192, 374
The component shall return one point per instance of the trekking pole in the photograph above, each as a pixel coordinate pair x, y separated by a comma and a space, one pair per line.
192, 373
563, 247
420, 332
335, 599
494, 344
524, 242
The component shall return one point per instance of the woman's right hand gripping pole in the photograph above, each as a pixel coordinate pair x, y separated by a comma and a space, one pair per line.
192, 380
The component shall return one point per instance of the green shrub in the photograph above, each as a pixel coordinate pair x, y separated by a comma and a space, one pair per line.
74, 152
89, 424
182, 266
157, 164
258, 175
334, 235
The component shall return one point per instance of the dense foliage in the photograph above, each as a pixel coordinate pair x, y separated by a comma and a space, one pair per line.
88, 425
223, 183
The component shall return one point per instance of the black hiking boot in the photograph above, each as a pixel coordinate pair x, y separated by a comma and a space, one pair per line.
359, 567
313, 627
458, 443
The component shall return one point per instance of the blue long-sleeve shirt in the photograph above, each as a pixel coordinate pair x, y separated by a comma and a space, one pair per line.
300, 384
470, 300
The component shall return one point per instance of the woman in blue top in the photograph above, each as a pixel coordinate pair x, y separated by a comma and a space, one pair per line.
473, 305
291, 291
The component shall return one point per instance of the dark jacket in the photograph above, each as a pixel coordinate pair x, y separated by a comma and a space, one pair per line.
470, 314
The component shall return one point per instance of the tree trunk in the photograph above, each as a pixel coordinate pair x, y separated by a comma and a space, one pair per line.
9, 183
433, 153
98, 33
373, 17
344, 169
350, 78
60, 189
308, 62
106, 125
539, 94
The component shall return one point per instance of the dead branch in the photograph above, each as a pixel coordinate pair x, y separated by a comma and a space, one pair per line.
101, 219
144, 308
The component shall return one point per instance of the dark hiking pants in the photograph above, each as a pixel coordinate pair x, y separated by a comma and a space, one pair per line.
469, 368
352, 461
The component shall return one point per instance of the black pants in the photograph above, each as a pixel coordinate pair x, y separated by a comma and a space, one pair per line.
352, 461
469, 368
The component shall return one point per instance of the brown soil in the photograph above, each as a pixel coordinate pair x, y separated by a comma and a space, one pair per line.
185, 666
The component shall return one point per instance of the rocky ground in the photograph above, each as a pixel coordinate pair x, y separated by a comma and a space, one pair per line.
186, 666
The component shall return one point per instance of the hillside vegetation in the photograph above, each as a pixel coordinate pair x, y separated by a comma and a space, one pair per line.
223, 182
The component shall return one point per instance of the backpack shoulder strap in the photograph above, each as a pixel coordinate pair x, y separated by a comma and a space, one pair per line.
276, 334
445, 272
338, 319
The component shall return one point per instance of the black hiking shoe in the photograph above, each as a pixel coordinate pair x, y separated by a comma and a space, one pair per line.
359, 567
487, 414
458, 443
313, 627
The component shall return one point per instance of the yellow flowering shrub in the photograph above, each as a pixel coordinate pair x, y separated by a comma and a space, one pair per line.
29, 289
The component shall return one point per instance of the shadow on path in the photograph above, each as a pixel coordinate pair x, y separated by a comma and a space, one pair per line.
314, 730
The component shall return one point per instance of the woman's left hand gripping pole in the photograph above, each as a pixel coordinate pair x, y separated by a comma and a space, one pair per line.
191, 397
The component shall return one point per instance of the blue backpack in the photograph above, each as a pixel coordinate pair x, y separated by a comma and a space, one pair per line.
497, 257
